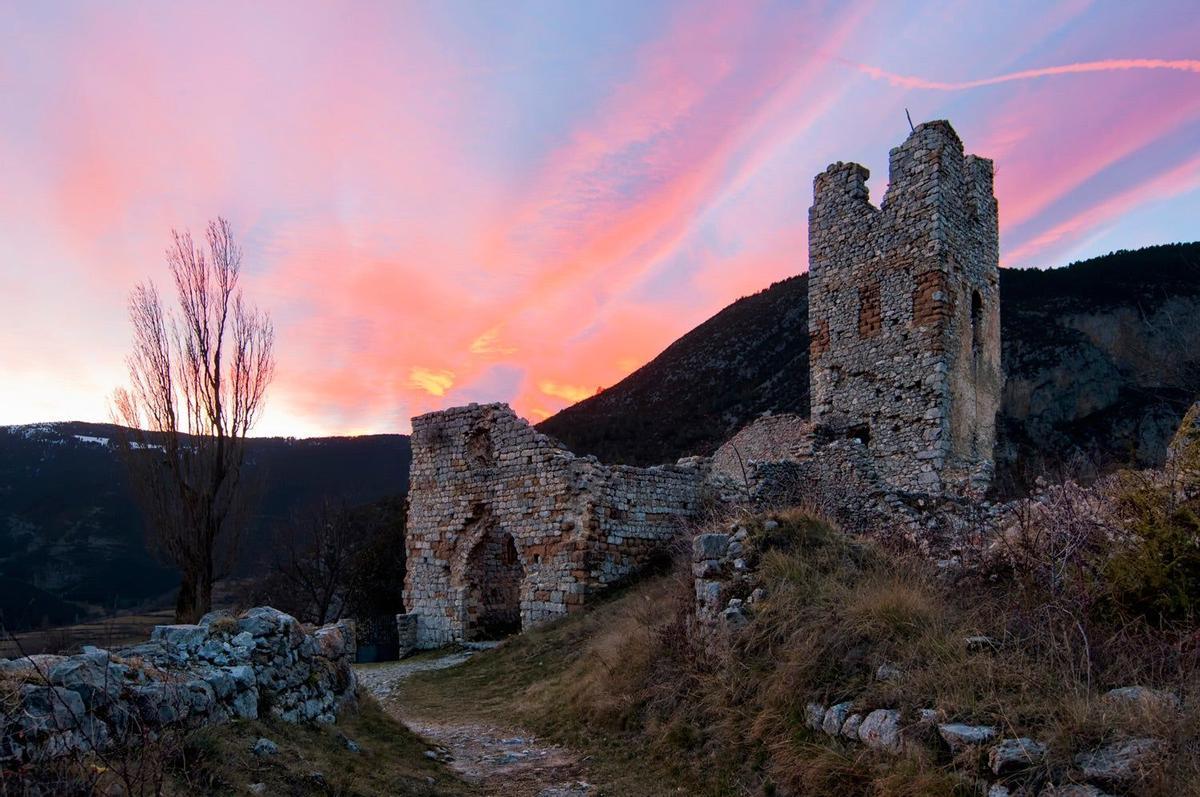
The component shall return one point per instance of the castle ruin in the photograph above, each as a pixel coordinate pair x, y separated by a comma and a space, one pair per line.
507, 529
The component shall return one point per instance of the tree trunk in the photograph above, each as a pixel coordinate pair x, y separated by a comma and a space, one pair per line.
204, 588
185, 604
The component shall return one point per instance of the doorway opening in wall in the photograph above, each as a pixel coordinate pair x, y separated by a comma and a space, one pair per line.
494, 575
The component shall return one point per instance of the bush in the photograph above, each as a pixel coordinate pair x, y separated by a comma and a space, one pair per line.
1154, 571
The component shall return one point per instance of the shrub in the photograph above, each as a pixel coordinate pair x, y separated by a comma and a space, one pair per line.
1154, 571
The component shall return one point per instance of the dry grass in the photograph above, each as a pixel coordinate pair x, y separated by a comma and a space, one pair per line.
627, 683
313, 760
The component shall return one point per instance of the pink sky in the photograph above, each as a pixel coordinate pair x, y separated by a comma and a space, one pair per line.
443, 203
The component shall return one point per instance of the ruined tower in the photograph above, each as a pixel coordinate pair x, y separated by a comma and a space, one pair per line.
904, 313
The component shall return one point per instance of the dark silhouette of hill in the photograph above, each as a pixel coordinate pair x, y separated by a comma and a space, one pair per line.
1101, 358
71, 536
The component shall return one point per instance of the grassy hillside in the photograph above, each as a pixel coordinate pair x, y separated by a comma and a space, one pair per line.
661, 713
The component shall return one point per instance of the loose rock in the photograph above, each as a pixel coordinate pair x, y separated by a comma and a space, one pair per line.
959, 736
1119, 761
264, 747
881, 730
1012, 754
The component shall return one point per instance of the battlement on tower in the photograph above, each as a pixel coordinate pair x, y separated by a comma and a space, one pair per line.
904, 312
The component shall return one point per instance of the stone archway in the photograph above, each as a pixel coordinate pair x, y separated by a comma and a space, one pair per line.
493, 577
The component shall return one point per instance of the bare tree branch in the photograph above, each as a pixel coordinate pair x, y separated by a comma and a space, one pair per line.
198, 378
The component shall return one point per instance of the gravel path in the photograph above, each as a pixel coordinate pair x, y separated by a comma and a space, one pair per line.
503, 761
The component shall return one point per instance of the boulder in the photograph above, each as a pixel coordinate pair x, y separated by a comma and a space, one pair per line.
47, 709
264, 747
1153, 700
734, 616
887, 672
31, 666
92, 675
814, 716
851, 725
187, 638
881, 730
980, 644
1072, 790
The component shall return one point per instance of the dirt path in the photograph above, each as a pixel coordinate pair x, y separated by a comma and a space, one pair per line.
502, 761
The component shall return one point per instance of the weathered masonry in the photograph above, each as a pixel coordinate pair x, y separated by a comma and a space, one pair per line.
508, 529
904, 313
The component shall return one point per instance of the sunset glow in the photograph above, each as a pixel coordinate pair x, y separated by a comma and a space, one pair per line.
443, 203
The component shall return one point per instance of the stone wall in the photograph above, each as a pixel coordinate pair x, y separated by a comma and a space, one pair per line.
771, 438
261, 663
507, 529
904, 313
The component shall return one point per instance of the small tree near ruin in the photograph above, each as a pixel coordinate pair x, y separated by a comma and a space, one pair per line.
315, 553
198, 379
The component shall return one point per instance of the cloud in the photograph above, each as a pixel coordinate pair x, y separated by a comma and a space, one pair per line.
1110, 65
433, 382
417, 246
488, 343
1178, 180
571, 393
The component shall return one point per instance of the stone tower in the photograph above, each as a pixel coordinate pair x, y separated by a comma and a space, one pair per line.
904, 313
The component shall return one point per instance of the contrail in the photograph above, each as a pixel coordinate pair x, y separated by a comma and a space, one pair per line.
911, 82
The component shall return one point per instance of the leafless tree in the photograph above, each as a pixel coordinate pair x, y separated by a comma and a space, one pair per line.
315, 559
198, 379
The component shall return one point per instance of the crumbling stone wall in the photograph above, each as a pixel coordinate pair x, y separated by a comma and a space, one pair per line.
507, 529
771, 438
260, 663
904, 313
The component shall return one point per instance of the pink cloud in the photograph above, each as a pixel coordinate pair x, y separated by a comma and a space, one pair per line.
1180, 179
1110, 65
417, 250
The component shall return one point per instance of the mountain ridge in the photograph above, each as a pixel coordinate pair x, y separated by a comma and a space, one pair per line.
71, 536
1102, 357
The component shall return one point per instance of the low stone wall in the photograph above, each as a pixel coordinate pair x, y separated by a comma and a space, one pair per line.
1008, 766
258, 664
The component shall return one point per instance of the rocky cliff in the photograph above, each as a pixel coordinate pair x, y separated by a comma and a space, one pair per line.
1101, 359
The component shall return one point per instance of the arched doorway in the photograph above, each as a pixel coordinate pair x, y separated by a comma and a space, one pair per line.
493, 575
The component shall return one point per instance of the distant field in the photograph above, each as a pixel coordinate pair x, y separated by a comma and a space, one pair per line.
109, 632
